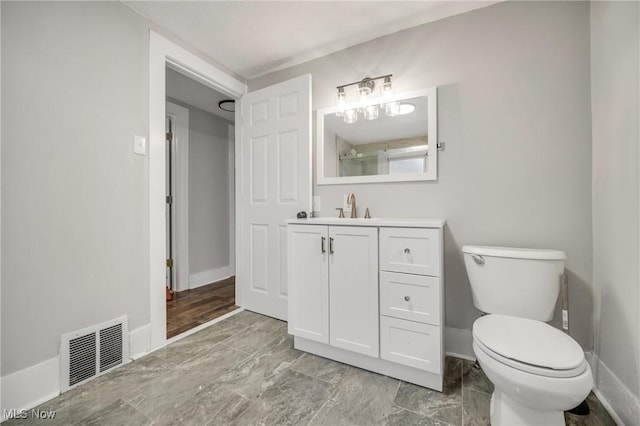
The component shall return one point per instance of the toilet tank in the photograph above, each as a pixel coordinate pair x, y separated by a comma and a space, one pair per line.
515, 281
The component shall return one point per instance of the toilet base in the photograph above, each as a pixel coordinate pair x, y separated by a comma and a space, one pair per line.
507, 412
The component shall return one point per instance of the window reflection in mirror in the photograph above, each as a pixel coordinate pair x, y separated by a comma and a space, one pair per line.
393, 147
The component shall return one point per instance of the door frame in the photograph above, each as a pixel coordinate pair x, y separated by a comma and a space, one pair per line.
180, 117
163, 53
232, 202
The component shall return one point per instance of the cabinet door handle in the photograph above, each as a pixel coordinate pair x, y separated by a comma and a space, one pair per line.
407, 298
407, 251
322, 244
330, 245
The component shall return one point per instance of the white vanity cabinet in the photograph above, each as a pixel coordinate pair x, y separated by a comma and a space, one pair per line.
411, 297
353, 289
369, 293
308, 261
335, 299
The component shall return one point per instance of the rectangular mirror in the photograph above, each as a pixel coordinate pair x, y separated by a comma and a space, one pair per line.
399, 145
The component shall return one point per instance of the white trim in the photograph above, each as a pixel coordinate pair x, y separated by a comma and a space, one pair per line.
0, 208
238, 194
458, 343
164, 53
140, 341
31, 386
620, 402
180, 116
232, 200
203, 326
198, 279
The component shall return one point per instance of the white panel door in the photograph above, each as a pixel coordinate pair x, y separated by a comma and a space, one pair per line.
274, 184
353, 289
308, 247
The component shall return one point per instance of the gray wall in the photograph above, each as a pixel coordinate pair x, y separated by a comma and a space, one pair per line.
74, 196
514, 110
208, 190
615, 92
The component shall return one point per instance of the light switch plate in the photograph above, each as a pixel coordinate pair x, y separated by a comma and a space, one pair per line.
316, 203
140, 145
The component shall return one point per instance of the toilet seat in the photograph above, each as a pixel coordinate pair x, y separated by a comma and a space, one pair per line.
528, 345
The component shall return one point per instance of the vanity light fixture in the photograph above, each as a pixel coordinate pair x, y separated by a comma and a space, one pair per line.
350, 116
342, 101
365, 87
386, 86
365, 95
371, 112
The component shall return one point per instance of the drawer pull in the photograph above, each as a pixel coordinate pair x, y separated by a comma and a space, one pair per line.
407, 298
407, 251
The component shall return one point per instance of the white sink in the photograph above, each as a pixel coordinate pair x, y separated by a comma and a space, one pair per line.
377, 221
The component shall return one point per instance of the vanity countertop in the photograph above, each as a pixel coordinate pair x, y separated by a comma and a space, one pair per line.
393, 222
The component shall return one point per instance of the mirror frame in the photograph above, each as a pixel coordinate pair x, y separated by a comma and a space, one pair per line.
432, 133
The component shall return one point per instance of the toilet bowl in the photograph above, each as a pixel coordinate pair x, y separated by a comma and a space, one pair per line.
538, 371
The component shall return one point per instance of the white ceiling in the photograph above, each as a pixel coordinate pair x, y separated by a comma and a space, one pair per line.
252, 38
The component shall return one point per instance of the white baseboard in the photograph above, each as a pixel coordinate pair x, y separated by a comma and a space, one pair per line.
140, 341
458, 343
32, 386
620, 402
28, 388
199, 279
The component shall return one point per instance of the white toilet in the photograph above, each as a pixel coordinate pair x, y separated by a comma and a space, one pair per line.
537, 370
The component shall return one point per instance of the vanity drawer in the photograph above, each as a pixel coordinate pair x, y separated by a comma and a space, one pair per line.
411, 343
410, 250
410, 297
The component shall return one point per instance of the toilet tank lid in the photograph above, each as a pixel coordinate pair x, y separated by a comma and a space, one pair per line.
515, 253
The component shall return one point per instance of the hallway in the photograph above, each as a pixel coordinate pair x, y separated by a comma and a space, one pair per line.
191, 308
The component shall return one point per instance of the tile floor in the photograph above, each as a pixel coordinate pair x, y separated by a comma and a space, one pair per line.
244, 370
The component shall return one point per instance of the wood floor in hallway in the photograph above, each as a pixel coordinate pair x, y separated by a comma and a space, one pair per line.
190, 308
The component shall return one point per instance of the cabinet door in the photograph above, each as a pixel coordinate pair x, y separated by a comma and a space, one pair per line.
353, 292
308, 252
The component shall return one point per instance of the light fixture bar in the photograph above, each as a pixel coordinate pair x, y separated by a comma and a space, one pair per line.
364, 80
349, 111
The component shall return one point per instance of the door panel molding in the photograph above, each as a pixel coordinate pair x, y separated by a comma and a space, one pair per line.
274, 166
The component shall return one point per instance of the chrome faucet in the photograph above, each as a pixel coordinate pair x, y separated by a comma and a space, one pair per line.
351, 199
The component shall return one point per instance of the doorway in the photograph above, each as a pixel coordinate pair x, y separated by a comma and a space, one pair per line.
260, 160
162, 54
200, 203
